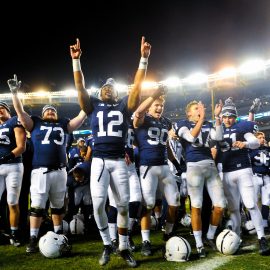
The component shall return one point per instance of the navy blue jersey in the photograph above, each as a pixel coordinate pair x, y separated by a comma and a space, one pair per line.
151, 137
260, 160
109, 123
199, 150
234, 158
7, 138
130, 142
49, 142
89, 142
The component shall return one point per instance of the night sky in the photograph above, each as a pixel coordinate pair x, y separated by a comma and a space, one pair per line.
186, 36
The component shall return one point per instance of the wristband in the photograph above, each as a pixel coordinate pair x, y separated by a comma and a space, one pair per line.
143, 63
76, 65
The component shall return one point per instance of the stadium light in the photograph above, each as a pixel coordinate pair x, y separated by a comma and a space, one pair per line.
227, 72
252, 66
172, 82
196, 78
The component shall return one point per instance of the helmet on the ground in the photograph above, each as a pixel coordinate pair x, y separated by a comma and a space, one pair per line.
228, 242
53, 245
177, 249
76, 226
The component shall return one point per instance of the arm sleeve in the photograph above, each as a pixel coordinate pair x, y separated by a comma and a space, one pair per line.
217, 134
251, 141
184, 133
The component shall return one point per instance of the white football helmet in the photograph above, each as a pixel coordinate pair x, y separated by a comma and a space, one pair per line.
177, 249
76, 226
250, 227
228, 242
186, 220
53, 245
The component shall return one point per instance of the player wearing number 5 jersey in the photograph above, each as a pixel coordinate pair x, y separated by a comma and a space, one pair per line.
12, 145
194, 135
109, 122
49, 176
237, 171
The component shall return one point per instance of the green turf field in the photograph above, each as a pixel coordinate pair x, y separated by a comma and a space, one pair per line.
86, 251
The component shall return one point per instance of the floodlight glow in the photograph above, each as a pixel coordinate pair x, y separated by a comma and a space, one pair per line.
172, 82
70, 93
252, 66
149, 85
196, 78
121, 87
227, 72
41, 93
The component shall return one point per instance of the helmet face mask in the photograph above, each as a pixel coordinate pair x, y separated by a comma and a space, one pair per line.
177, 249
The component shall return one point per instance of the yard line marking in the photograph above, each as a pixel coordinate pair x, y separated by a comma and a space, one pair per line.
217, 261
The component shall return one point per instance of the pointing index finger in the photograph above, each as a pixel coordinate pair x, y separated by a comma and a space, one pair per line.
78, 43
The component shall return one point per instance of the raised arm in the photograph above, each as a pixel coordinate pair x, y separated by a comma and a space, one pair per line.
76, 122
197, 129
83, 97
139, 114
23, 116
135, 93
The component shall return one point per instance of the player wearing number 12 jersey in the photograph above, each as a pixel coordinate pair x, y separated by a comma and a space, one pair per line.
49, 176
194, 135
109, 122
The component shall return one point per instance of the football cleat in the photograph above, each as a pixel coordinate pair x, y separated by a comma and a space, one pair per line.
201, 252
264, 248
105, 256
32, 246
128, 257
14, 239
146, 248
210, 243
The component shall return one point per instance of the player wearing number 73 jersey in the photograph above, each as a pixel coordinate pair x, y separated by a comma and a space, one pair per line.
49, 176
109, 122
194, 135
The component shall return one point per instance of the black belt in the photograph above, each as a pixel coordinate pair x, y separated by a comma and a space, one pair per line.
260, 174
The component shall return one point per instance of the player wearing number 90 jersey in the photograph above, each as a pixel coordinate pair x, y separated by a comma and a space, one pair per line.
151, 132
49, 176
194, 135
237, 171
109, 123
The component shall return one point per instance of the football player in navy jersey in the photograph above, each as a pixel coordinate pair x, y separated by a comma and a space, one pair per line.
260, 159
151, 132
237, 171
12, 145
195, 134
109, 123
49, 176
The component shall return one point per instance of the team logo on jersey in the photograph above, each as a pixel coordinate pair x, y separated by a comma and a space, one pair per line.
101, 104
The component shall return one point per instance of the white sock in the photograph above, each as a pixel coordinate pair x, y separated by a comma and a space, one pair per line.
34, 231
57, 228
113, 230
211, 232
123, 242
105, 235
198, 238
145, 235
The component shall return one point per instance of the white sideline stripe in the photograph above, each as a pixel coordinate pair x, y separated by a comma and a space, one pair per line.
211, 264
217, 261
